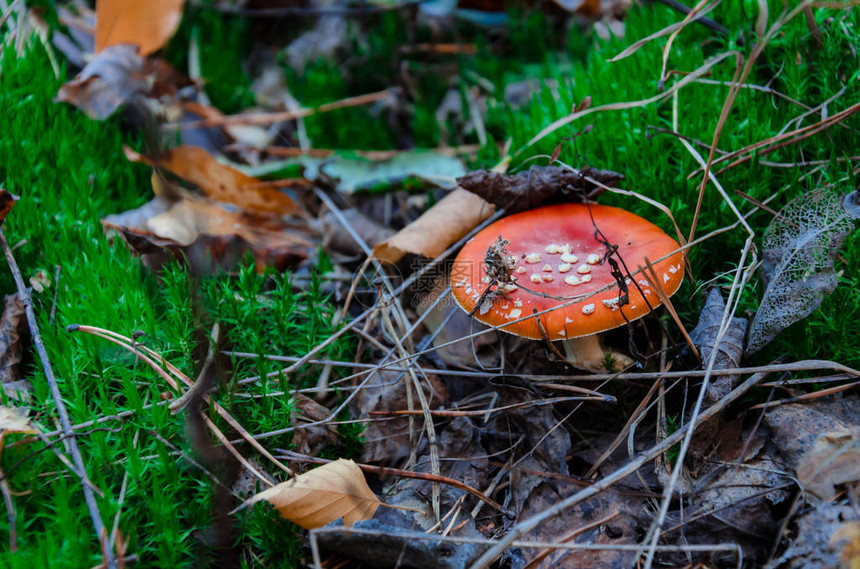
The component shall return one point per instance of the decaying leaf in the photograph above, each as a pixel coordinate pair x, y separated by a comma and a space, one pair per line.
605, 519
438, 228
541, 185
147, 24
13, 326
734, 504
731, 348
309, 440
108, 81
541, 445
820, 539
7, 202
387, 441
354, 174
800, 246
332, 491
14, 420
795, 428
218, 181
209, 236
117, 76
834, 460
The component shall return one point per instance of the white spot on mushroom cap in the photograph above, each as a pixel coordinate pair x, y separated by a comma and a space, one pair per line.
569, 258
564, 267
535, 278
547, 268
565, 248
583, 269
518, 303
673, 269
588, 309
666, 278
585, 279
567, 320
572, 280
533, 258
514, 314
548, 278
510, 287
593, 259
562, 333
611, 303
552, 249
521, 270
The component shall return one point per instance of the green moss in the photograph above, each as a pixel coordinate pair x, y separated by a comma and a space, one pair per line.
70, 172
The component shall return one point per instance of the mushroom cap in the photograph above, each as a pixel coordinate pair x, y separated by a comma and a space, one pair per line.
558, 259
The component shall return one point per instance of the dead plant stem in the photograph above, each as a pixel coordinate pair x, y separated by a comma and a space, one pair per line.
65, 422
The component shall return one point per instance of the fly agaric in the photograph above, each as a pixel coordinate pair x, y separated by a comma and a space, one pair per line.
549, 261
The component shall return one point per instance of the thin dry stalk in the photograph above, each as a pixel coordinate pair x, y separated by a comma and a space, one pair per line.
317, 562
146, 355
700, 7
571, 535
610, 480
65, 422
265, 119
10, 512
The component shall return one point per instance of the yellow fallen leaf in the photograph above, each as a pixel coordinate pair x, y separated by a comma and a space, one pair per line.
147, 24
335, 490
218, 181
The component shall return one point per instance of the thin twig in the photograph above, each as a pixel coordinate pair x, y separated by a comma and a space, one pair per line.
531, 523
81, 471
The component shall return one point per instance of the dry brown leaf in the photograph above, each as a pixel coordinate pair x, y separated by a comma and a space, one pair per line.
147, 24
117, 76
834, 460
438, 228
7, 202
13, 328
335, 490
108, 81
218, 181
206, 233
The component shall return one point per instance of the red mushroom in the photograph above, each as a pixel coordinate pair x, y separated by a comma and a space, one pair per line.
549, 260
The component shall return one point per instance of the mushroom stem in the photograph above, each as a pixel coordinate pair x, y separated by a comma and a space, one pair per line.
589, 354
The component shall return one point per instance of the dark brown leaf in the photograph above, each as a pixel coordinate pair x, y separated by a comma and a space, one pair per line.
541, 185
7, 202
731, 348
13, 330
